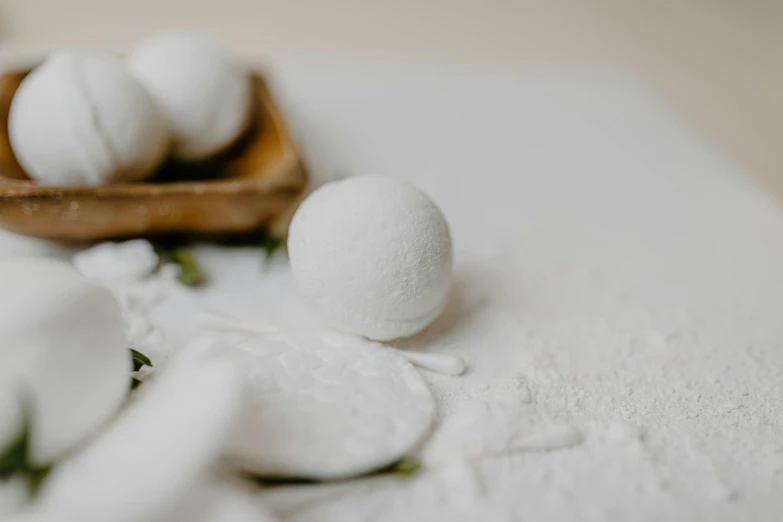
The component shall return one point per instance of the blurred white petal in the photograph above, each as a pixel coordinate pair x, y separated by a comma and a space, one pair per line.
147, 462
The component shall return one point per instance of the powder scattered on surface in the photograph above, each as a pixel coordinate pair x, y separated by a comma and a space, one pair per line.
131, 271
128, 261
606, 255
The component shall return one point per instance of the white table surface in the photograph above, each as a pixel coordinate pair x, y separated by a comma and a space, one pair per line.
605, 254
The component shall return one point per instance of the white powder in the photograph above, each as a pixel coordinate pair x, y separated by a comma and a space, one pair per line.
131, 271
129, 261
502, 424
625, 268
608, 259
671, 415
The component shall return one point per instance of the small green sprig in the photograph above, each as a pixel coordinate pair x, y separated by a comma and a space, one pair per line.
189, 271
271, 244
139, 360
15, 459
268, 242
405, 466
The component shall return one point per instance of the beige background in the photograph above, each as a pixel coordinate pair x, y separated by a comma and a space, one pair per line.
720, 63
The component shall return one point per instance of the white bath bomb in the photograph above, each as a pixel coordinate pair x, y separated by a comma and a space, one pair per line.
373, 255
204, 93
83, 120
63, 355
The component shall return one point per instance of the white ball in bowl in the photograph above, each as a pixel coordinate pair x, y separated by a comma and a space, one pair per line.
203, 91
372, 255
83, 120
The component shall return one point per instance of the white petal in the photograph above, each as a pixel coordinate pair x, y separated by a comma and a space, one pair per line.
147, 462
63, 352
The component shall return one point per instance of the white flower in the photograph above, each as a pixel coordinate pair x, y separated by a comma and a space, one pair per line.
147, 464
64, 360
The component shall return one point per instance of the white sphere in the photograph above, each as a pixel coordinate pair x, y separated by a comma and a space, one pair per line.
373, 255
204, 93
63, 355
83, 120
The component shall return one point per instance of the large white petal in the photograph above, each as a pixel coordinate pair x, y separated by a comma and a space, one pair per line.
147, 462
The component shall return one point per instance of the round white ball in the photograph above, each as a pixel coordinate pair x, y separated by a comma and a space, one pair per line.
63, 355
83, 120
373, 256
204, 93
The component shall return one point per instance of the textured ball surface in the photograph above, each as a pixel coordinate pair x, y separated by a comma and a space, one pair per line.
63, 356
204, 93
373, 256
83, 120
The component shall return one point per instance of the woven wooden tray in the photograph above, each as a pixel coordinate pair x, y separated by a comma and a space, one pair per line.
243, 189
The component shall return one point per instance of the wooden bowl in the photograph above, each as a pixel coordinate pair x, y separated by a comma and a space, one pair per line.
243, 189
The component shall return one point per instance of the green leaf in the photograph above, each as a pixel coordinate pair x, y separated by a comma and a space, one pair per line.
271, 244
15, 459
405, 466
139, 360
189, 272
35, 480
